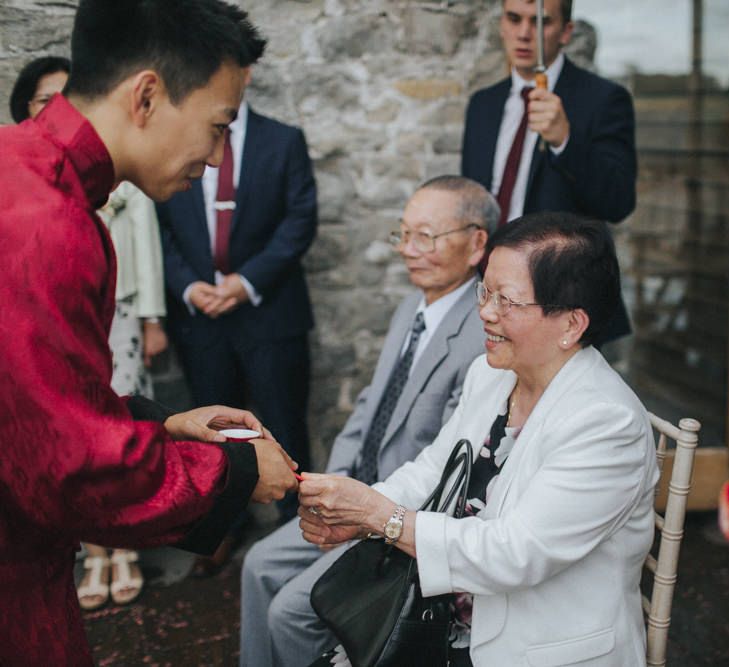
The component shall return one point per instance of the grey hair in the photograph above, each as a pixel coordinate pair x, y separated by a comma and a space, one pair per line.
478, 206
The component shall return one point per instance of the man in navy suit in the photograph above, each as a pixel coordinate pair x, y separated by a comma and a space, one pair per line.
238, 304
587, 124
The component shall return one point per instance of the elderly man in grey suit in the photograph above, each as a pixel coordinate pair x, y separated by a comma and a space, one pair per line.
434, 335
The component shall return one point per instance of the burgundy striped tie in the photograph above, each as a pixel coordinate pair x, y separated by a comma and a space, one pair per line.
512, 162
224, 208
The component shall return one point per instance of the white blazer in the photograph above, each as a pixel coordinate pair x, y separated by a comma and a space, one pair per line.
554, 560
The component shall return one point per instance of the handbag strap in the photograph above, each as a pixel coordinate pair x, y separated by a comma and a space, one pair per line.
460, 460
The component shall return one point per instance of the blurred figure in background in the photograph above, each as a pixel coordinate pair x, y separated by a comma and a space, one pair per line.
37, 82
136, 331
724, 510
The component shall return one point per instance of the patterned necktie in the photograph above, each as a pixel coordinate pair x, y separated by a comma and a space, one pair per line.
367, 471
508, 180
224, 208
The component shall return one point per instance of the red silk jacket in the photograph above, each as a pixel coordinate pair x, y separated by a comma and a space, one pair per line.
74, 464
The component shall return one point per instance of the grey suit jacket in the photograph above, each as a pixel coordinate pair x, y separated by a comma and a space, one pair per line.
430, 395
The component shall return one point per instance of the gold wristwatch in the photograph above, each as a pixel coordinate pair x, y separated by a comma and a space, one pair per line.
393, 528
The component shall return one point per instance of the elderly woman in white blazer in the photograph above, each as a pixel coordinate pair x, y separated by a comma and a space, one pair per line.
551, 557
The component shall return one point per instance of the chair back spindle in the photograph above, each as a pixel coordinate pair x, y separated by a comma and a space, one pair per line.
664, 567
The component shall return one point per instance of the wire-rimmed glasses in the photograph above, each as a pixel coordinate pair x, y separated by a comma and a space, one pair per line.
424, 242
499, 301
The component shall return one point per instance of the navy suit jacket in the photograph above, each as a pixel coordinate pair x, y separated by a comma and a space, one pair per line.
596, 173
273, 226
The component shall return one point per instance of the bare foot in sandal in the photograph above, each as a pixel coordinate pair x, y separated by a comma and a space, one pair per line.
126, 577
93, 591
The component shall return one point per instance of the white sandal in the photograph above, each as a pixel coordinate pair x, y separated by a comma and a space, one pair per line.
95, 588
124, 587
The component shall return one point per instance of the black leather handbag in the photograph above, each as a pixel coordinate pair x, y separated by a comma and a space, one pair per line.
370, 597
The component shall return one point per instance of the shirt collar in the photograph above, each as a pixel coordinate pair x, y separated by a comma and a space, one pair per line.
553, 72
82, 145
436, 311
238, 129
238, 126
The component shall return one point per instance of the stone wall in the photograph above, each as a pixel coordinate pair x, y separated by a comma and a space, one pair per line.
380, 88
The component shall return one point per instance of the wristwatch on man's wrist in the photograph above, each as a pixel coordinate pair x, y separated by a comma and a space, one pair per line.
393, 528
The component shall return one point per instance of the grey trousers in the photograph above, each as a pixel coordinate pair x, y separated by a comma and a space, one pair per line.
278, 626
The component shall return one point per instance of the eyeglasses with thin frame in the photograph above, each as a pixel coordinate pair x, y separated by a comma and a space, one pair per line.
501, 302
424, 241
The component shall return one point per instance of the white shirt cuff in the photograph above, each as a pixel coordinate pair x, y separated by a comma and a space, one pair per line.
430, 545
560, 149
254, 297
186, 299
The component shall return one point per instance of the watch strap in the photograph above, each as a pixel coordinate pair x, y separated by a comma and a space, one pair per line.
397, 518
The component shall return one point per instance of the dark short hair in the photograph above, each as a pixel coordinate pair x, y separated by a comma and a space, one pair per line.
478, 207
565, 7
572, 263
185, 41
27, 83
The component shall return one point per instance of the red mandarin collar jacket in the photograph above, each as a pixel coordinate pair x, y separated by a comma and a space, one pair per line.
75, 465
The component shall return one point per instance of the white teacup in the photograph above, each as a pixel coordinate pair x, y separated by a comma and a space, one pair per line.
239, 434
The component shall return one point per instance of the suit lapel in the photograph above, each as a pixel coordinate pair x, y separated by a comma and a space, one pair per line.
539, 158
537, 164
432, 356
389, 356
565, 81
198, 206
492, 127
248, 162
566, 377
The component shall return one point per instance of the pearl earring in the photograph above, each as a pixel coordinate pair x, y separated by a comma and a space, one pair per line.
564, 342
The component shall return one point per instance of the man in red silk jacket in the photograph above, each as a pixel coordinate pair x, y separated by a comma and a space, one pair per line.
153, 86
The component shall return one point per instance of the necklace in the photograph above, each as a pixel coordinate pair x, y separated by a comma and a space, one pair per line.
512, 403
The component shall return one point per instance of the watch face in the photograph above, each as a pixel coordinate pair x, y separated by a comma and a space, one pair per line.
393, 530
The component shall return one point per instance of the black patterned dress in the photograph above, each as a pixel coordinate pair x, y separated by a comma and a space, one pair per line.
489, 463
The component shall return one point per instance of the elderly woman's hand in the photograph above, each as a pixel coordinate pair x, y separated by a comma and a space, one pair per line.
344, 501
335, 509
326, 537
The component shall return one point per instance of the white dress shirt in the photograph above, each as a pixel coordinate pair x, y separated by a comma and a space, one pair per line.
238, 130
433, 315
510, 121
